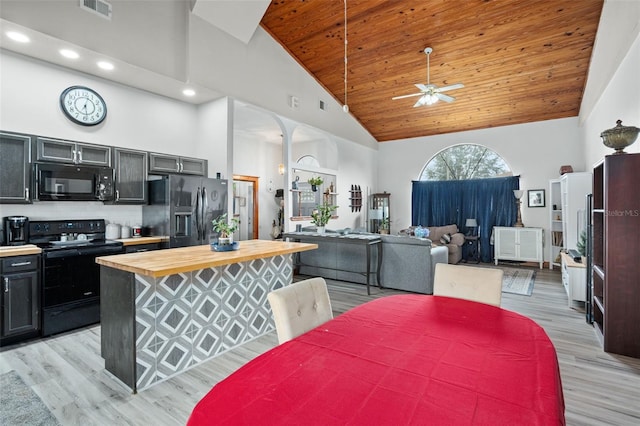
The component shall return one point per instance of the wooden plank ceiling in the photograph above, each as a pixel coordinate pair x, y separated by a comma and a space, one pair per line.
520, 60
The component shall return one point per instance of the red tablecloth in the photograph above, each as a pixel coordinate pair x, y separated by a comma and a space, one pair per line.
406, 359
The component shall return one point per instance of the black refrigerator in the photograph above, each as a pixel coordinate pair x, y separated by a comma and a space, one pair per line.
182, 207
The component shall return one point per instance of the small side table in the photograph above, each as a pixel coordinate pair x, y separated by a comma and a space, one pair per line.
471, 248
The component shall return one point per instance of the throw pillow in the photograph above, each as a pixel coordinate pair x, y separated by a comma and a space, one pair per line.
445, 239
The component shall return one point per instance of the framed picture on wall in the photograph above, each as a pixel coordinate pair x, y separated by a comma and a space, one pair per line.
536, 197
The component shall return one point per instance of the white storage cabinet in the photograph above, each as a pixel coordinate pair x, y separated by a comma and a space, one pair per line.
522, 244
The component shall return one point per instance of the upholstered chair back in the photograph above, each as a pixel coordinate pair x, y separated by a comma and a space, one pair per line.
468, 282
299, 307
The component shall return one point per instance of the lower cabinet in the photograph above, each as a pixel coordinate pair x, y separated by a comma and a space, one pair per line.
522, 244
574, 279
19, 298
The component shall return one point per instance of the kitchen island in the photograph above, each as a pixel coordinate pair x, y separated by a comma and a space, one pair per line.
164, 311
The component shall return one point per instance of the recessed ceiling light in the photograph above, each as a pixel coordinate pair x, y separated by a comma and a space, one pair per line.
105, 65
70, 54
19, 37
189, 92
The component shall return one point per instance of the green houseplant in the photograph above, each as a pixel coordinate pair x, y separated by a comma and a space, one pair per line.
315, 182
225, 229
581, 245
321, 215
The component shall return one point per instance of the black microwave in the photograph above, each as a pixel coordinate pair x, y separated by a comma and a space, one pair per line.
63, 182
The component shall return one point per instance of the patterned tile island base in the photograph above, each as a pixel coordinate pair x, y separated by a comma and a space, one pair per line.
186, 318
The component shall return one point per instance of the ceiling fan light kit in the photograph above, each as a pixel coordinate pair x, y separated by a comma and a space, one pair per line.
430, 93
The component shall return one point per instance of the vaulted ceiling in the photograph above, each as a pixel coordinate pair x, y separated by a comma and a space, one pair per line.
520, 61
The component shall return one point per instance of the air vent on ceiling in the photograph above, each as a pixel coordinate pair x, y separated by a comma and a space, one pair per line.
322, 105
293, 102
98, 7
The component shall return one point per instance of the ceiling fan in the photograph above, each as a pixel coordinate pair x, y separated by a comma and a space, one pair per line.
430, 93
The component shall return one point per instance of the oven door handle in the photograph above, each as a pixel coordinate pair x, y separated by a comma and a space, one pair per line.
56, 254
83, 251
101, 251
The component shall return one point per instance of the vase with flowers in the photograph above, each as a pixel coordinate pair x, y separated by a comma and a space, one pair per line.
321, 215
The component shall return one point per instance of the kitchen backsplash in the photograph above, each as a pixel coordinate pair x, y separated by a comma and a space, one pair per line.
62, 210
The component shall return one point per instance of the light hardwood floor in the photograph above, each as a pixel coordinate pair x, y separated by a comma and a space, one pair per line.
68, 373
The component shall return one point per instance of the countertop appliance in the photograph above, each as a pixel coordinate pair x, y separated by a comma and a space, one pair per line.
182, 207
70, 276
63, 182
16, 230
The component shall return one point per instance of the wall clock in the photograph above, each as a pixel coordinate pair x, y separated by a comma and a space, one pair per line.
83, 105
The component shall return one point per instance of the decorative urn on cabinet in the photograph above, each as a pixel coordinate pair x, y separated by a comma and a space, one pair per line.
619, 137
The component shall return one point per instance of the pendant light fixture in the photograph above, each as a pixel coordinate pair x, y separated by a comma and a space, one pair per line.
345, 107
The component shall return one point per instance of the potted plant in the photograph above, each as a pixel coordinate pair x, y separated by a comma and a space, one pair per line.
384, 226
225, 229
321, 215
315, 182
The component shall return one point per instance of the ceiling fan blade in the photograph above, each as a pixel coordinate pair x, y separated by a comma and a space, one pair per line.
407, 96
445, 98
451, 87
422, 101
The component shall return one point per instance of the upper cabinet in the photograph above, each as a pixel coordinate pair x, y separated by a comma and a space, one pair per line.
163, 163
62, 151
130, 176
15, 168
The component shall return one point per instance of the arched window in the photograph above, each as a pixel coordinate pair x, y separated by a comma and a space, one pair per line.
465, 161
308, 160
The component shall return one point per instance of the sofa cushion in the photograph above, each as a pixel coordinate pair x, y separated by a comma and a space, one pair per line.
445, 239
436, 232
457, 239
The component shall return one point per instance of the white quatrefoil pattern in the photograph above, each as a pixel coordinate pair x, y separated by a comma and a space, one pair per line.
188, 318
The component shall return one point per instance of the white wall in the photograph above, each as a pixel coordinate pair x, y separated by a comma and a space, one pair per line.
256, 157
29, 93
619, 101
535, 151
29, 101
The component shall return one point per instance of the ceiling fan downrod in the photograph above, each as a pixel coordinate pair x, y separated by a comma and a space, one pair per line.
428, 51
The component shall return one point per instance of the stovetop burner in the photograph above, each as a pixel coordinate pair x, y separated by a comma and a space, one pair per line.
62, 245
53, 235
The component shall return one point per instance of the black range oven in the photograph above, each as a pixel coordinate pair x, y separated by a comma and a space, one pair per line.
70, 276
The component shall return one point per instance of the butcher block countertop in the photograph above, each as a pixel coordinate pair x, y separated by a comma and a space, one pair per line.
19, 250
159, 263
141, 240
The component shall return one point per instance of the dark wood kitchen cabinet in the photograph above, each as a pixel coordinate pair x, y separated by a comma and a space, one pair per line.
63, 151
130, 176
15, 168
19, 298
164, 163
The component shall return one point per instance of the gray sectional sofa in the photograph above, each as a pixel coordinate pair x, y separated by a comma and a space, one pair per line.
408, 263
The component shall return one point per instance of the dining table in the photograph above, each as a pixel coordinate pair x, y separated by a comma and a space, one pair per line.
399, 360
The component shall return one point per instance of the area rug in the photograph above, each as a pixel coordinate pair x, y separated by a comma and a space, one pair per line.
518, 281
19, 405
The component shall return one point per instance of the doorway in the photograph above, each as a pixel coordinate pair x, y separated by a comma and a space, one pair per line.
245, 206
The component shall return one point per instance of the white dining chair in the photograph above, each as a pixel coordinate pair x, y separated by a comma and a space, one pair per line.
468, 282
299, 307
